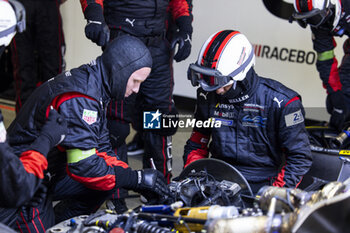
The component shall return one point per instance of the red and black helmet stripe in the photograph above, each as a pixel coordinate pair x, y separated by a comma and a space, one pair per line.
304, 5
215, 47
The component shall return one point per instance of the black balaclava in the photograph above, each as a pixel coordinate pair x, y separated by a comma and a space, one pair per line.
243, 88
122, 57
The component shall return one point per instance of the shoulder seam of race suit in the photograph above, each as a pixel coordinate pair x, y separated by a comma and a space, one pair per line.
60, 99
279, 87
292, 100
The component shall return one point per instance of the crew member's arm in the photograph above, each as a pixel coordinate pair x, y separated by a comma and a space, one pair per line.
85, 3
21, 176
86, 164
327, 64
181, 11
96, 28
181, 8
295, 144
196, 148
197, 145
91, 163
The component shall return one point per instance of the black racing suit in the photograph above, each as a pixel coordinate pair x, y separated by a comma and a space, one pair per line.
147, 21
335, 79
83, 167
20, 177
37, 53
257, 129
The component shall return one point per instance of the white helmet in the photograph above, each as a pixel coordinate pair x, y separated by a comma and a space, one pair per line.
12, 20
315, 12
224, 58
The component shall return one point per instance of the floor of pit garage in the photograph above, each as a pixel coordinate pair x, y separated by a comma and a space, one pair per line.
8, 110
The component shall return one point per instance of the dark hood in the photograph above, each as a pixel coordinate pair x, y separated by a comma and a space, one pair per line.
244, 88
122, 57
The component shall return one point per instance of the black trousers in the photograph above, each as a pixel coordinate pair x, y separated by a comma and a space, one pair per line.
37, 53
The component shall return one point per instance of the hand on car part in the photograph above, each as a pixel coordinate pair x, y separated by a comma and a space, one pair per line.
151, 184
336, 106
96, 28
52, 133
183, 38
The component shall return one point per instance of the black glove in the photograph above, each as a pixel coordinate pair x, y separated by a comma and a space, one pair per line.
96, 28
152, 185
52, 133
336, 106
148, 182
183, 38
38, 197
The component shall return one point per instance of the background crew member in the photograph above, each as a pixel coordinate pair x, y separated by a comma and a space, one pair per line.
37, 53
329, 18
136, 146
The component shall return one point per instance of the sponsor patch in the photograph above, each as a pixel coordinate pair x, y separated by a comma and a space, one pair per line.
254, 121
224, 121
294, 118
89, 116
225, 106
253, 107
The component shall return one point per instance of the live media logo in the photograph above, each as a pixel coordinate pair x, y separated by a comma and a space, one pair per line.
151, 120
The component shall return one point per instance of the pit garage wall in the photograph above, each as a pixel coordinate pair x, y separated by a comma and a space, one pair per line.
283, 50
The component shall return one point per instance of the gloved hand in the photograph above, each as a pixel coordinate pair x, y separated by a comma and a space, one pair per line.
183, 38
52, 133
148, 182
38, 197
336, 106
151, 184
96, 28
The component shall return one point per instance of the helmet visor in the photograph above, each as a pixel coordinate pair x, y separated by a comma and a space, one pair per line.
208, 79
211, 79
314, 18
